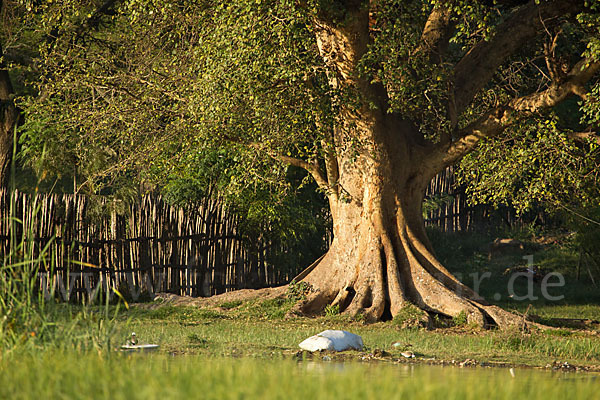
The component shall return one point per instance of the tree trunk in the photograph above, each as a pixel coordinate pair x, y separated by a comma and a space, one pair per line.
380, 259
8, 119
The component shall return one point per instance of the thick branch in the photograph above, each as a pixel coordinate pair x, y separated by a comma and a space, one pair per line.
575, 82
478, 66
498, 119
436, 34
585, 136
312, 168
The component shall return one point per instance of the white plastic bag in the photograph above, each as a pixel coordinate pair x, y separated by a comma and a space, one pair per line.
332, 340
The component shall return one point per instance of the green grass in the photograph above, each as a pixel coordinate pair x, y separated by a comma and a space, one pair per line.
410, 316
202, 332
184, 314
148, 377
230, 304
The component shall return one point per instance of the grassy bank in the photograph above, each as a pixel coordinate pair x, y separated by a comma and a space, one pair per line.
246, 329
232, 332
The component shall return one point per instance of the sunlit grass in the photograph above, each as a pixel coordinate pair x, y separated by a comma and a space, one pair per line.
184, 330
75, 376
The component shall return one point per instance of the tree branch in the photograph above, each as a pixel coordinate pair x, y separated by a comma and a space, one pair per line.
93, 21
312, 168
574, 83
478, 66
498, 119
584, 136
436, 34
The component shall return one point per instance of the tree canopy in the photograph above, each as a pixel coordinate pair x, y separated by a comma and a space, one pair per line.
143, 87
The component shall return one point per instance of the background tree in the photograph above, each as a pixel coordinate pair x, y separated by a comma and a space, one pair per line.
371, 98
8, 112
138, 125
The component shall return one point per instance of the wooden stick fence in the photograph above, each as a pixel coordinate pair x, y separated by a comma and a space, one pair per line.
454, 214
150, 247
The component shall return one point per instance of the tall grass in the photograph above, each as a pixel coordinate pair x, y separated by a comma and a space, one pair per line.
29, 319
21, 305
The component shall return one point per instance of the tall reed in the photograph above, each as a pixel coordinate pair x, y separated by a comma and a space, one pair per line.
21, 304
29, 317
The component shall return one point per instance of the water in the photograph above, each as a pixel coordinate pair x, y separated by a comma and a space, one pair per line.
416, 370
436, 381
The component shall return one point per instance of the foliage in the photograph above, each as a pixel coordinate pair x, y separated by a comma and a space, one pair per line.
198, 83
297, 291
460, 319
332, 310
418, 87
435, 202
539, 169
542, 162
532, 164
410, 316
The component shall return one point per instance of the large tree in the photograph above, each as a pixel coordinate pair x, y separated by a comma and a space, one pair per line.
380, 255
371, 98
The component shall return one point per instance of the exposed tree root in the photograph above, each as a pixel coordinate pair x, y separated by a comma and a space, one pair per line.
387, 272
217, 300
